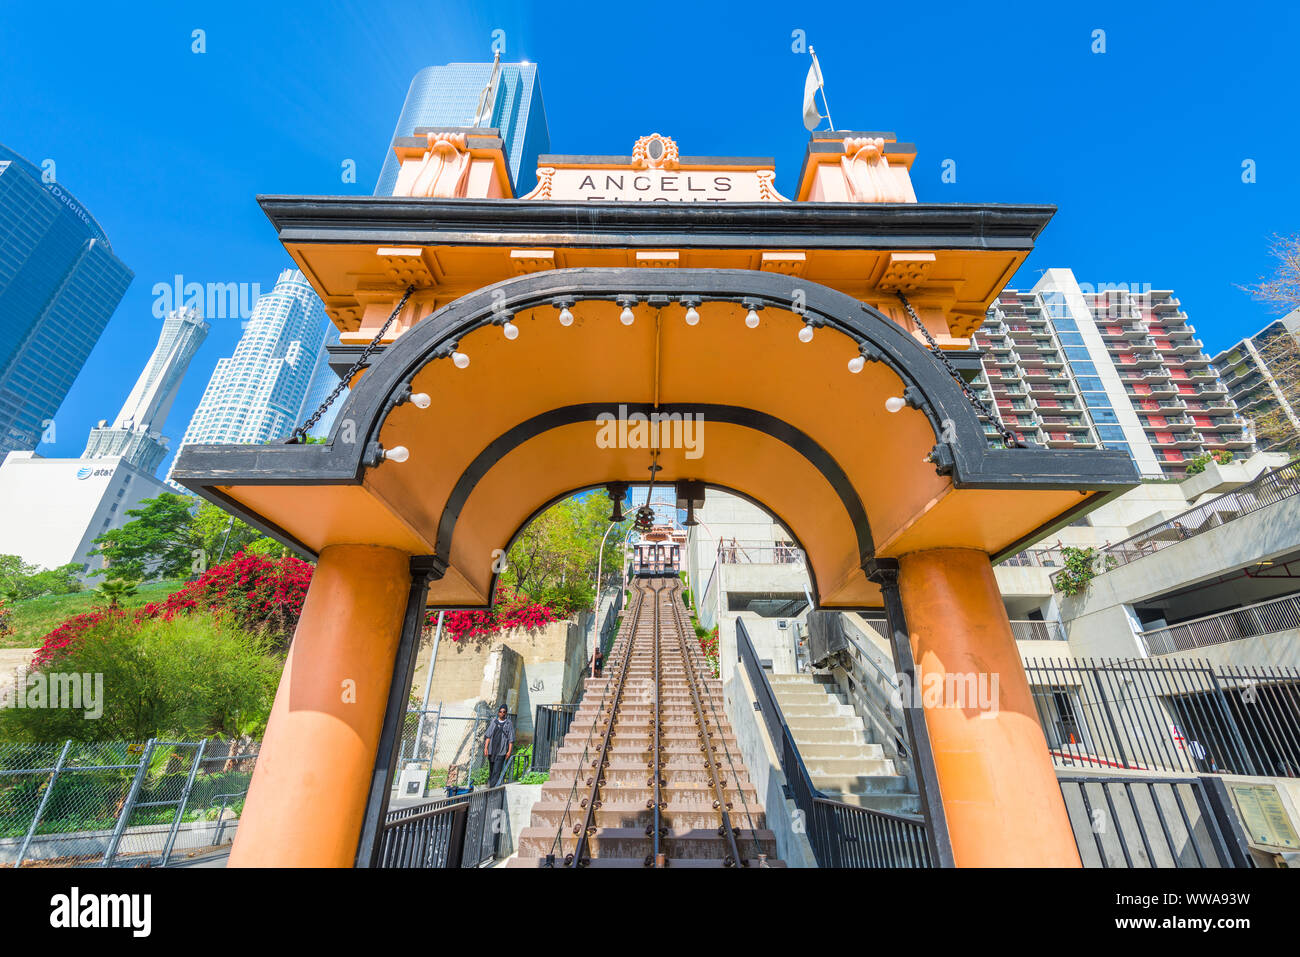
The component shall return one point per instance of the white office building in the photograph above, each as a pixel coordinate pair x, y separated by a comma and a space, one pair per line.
60, 506
257, 394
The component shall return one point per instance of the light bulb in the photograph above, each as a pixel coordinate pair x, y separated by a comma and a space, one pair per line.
420, 400
692, 316
398, 453
460, 359
856, 364
511, 330
626, 317
566, 317
751, 319
806, 334
894, 403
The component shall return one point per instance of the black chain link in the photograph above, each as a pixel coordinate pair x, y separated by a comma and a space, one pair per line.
300, 433
980, 406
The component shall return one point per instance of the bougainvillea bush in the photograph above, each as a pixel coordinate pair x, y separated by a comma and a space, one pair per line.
258, 594
252, 593
511, 610
709, 645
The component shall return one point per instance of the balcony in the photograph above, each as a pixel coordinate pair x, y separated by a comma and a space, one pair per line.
1250, 621
1189, 344
1148, 359
1027, 630
1271, 487
1137, 330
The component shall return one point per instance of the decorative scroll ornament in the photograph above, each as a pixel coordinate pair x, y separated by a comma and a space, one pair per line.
655, 152
545, 183
444, 169
867, 173
767, 186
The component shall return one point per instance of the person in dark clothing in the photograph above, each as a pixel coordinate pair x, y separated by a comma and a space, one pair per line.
498, 745
597, 663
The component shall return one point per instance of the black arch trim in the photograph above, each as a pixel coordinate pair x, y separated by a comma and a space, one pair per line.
808, 567
769, 425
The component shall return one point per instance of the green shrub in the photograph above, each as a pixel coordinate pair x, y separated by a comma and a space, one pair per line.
1198, 464
191, 677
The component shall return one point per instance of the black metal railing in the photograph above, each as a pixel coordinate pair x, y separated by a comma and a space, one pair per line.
1154, 822
1185, 716
841, 835
550, 724
425, 836
1269, 488
463, 830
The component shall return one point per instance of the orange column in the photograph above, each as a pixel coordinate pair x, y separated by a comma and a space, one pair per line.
1000, 796
308, 794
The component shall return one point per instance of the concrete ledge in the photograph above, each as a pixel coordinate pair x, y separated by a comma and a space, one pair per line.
760, 757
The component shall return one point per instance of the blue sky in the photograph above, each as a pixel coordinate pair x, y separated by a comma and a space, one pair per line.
1141, 147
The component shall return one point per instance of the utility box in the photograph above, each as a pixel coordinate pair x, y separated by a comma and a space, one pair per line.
412, 780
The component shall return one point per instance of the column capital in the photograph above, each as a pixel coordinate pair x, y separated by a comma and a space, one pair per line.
430, 568
882, 571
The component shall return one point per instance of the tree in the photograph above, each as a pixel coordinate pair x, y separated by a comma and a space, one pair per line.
19, 579
554, 558
159, 541
221, 535
115, 590
1280, 352
14, 575
172, 536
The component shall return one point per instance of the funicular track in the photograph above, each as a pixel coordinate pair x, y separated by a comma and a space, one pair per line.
649, 774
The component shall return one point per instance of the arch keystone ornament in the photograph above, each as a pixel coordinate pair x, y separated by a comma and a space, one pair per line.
902, 510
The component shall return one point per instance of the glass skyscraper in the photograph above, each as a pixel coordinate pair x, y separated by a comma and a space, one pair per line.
257, 394
59, 284
449, 96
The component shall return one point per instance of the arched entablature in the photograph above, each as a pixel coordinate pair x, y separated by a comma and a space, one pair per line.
799, 423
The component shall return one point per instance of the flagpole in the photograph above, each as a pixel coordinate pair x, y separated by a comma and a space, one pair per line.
821, 86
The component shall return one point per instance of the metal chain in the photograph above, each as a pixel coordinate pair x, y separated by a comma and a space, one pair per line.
980, 406
300, 433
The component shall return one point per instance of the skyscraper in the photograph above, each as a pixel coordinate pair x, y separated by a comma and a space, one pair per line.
323, 381
136, 433
1262, 374
59, 284
256, 394
91, 495
1068, 368
506, 97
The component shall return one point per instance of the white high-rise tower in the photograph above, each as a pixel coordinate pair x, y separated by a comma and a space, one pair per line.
256, 394
136, 433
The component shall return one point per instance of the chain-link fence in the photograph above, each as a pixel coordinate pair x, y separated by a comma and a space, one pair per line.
448, 750
119, 804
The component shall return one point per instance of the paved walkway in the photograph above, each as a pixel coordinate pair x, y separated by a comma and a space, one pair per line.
11, 660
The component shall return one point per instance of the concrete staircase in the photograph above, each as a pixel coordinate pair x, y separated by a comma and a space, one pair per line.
837, 748
624, 815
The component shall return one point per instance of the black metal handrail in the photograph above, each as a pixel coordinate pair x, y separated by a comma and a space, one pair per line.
841, 835
430, 838
1267, 489
551, 723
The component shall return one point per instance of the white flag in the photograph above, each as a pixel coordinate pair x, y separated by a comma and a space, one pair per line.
811, 115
